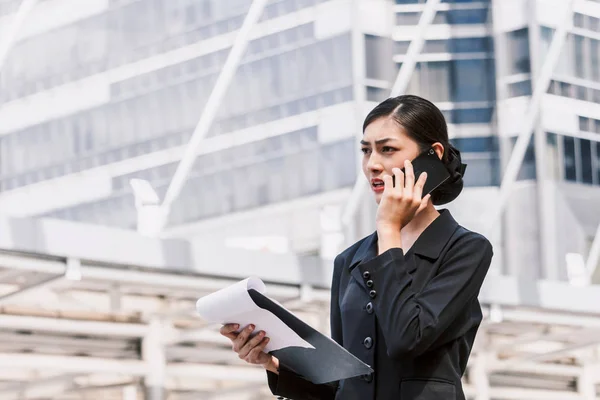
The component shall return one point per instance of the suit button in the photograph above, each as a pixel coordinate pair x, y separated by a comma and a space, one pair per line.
369, 308
373, 294
370, 283
368, 377
368, 342
366, 275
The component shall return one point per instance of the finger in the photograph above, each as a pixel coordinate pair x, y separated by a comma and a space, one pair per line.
257, 355
409, 176
251, 344
388, 184
242, 338
229, 330
399, 179
418, 190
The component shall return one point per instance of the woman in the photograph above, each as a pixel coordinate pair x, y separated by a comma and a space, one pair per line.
404, 299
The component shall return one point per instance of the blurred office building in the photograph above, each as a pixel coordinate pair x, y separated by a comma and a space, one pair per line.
95, 93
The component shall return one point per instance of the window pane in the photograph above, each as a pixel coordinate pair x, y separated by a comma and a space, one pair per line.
584, 124
569, 157
518, 48
378, 49
471, 116
476, 16
476, 144
579, 57
518, 89
586, 160
595, 59
472, 80
597, 145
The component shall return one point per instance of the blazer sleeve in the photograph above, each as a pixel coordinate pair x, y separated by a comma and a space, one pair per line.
292, 386
411, 322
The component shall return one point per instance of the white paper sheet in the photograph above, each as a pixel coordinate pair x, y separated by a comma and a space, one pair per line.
233, 305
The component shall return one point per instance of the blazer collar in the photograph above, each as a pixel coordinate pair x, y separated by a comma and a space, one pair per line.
436, 236
429, 244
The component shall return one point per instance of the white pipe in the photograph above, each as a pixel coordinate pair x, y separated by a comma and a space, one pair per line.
10, 38
214, 102
400, 84
219, 372
160, 278
85, 365
511, 393
73, 327
72, 364
524, 137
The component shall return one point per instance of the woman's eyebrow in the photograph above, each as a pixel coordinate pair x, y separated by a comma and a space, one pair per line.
379, 141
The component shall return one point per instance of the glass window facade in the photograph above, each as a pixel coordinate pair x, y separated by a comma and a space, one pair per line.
159, 110
129, 31
236, 179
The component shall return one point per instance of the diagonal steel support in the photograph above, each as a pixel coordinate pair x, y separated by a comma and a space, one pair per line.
594, 255
212, 105
524, 137
26, 290
10, 38
401, 83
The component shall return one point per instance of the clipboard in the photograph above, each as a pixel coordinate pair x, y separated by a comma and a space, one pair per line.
327, 362
299, 347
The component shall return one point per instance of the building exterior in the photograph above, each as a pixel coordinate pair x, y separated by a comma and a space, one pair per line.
96, 93
100, 94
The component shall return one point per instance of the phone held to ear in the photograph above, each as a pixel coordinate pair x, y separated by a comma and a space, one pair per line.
437, 173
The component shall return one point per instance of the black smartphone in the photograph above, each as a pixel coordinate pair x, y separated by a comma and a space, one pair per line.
437, 173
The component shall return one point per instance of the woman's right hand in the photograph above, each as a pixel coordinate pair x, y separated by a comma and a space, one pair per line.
250, 349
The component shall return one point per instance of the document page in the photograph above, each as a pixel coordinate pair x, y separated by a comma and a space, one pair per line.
233, 305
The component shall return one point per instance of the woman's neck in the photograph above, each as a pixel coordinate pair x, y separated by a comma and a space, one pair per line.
411, 232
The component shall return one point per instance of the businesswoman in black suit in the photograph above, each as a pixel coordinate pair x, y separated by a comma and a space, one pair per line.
404, 299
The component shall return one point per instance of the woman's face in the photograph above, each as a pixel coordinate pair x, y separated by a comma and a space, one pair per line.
385, 145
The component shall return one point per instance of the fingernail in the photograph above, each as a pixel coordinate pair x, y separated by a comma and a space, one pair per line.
267, 340
261, 333
251, 327
236, 326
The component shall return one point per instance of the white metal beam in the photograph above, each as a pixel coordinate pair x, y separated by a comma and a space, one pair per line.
528, 367
138, 368
40, 388
524, 137
213, 103
72, 364
71, 326
155, 278
400, 84
10, 38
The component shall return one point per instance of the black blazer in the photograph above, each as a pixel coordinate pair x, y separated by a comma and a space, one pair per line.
413, 317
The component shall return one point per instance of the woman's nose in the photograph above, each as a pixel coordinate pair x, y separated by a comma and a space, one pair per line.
374, 163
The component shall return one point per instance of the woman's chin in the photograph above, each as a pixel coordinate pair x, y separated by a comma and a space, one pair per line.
378, 198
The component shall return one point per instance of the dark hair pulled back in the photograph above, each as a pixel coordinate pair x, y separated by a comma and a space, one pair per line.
425, 124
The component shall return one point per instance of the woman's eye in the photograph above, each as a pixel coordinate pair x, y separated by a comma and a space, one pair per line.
387, 149
365, 150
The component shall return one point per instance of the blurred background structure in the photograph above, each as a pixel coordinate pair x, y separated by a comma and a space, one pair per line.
99, 278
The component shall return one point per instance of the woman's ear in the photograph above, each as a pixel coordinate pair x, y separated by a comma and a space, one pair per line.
439, 149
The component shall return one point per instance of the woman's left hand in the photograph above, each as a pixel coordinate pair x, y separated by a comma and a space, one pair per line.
400, 203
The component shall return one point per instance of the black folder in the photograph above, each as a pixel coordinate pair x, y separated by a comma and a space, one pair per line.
327, 362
